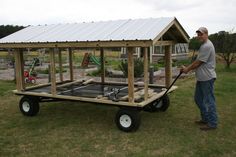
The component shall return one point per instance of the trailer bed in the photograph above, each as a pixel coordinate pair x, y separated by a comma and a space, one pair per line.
94, 92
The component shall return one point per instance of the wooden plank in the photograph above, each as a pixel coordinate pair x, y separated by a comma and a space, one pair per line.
76, 98
53, 71
48, 84
157, 96
60, 65
126, 84
88, 81
71, 64
95, 100
89, 44
126, 97
131, 51
145, 59
70, 83
102, 65
168, 65
164, 43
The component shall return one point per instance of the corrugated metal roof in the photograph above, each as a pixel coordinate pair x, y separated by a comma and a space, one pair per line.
139, 29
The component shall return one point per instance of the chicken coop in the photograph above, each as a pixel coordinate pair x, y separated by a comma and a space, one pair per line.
130, 97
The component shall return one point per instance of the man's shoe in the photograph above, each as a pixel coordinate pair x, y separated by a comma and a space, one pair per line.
207, 128
200, 122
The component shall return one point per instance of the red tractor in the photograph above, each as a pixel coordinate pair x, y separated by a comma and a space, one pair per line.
30, 76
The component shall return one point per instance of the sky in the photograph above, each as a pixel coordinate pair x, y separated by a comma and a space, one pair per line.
216, 15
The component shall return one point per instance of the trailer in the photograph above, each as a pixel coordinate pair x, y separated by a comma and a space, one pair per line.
130, 97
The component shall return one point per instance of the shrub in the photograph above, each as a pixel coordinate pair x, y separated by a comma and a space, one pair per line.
138, 67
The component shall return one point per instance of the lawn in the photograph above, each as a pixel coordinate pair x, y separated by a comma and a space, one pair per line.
80, 129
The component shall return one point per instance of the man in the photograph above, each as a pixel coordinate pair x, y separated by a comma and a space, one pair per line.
205, 76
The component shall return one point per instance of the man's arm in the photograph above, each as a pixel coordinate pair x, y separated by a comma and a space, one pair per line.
192, 66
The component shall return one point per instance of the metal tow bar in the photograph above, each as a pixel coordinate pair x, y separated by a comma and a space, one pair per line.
177, 77
149, 108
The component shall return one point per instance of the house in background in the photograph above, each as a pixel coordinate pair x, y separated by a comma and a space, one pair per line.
179, 52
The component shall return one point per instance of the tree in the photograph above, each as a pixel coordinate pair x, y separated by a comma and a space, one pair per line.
8, 29
225, 45
194, 44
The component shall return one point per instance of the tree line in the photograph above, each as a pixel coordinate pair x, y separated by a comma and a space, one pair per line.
225, 45
6, 30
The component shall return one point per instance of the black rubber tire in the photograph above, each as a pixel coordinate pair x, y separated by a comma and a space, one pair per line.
27, 80
164, 104
31, 106
133, 117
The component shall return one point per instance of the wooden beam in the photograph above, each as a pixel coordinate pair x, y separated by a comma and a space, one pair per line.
156, 96
182, 31
163, 31
95, 100
46, 84
102, 65
145, 59
151, 52
71, 64
164, 43
19, 65
168, 65
78, 98
22, 69
126, 84
53, 71
60, 64
131, 51
89, 44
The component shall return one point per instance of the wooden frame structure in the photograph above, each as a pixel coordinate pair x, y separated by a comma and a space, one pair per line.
22, 90
133, 96
55, 49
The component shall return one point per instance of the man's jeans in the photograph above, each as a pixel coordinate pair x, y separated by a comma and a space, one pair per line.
205, 99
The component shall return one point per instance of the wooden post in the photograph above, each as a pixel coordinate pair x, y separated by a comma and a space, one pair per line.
71, 64
22, 69
151, 74
19, 65
168, 65
151, 52
102, 65
145, 63
60, 65
53, 71
17, 62
19, 70
131, 51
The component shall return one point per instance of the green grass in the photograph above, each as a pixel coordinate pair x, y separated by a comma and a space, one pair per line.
6, 87
80, 129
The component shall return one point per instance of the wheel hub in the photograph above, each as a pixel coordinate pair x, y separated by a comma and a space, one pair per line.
26, 106
125, 121
158, 104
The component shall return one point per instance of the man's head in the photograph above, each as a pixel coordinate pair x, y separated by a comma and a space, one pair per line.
202, 34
